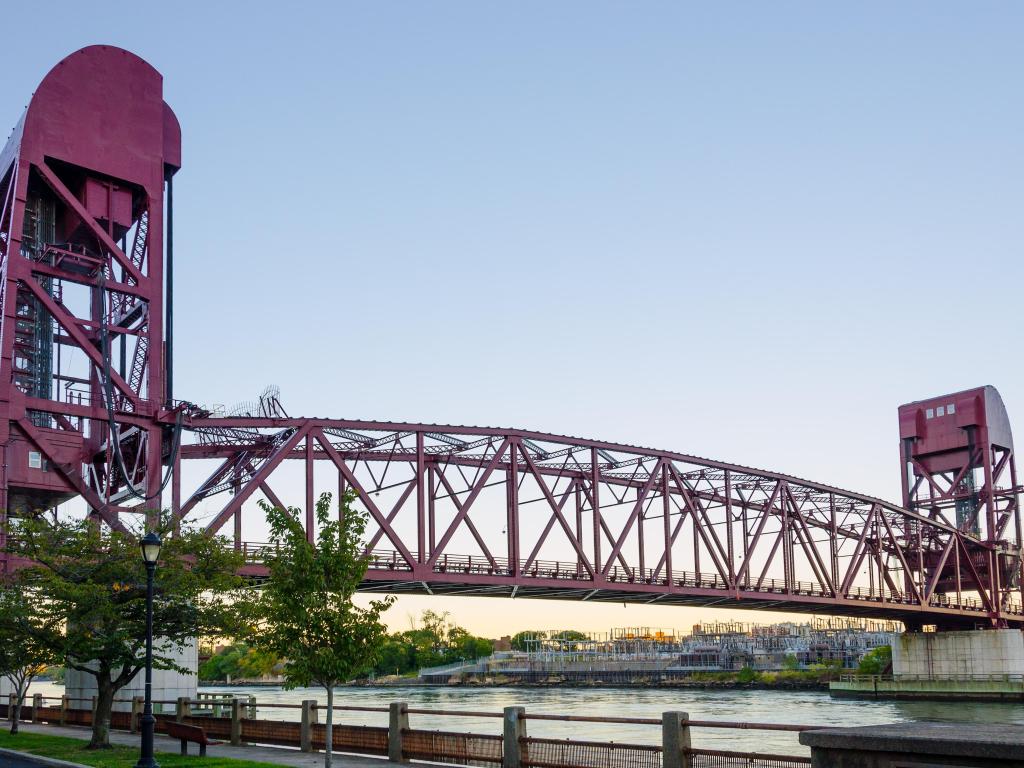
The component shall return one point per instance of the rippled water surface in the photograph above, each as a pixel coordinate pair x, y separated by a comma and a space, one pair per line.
801, 707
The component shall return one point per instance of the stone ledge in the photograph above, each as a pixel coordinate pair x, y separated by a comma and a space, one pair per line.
949, 739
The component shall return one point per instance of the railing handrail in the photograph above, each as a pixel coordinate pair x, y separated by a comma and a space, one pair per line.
442, 668
250, 703
912, 678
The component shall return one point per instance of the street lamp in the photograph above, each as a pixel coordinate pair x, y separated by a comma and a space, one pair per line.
150, 546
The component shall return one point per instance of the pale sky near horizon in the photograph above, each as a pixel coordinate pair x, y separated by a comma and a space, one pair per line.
740, 230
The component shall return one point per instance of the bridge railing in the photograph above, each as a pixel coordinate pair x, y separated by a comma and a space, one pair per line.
574, 571
670, 746
555, 570
990, 678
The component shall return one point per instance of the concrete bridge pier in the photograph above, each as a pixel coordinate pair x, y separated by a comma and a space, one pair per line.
974, 653
168, 685
981, 665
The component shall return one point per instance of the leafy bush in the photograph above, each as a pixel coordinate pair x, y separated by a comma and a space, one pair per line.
746, 675
435, 642
875, 661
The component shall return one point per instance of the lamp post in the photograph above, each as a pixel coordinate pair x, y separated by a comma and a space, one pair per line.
150, 546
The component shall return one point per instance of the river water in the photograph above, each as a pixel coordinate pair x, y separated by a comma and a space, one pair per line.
800, 707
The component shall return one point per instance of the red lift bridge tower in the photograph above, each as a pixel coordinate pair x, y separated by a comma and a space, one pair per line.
82, 400
87, 412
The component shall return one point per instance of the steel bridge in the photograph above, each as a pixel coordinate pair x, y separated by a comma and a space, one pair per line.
86, 250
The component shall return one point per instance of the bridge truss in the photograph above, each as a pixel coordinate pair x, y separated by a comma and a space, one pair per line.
483, 511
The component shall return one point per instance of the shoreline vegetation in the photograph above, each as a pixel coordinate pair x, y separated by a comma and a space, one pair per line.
435, 639
743, 679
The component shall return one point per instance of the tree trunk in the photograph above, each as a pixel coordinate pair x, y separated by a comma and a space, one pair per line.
18, 701
101, 718
329, 736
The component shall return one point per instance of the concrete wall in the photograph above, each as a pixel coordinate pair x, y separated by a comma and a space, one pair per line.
996, 689
167, 685
948, 654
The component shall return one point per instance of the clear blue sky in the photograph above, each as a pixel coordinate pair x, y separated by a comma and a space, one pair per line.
740, 230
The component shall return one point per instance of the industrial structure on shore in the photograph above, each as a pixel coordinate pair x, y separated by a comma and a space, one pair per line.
635, 653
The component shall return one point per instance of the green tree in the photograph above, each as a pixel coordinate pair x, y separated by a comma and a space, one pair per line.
569, 639
237, 661
472, 647
23, 655
790, 662
397, 656
524, 641
876, 661
433, 640
304, 611
89, 595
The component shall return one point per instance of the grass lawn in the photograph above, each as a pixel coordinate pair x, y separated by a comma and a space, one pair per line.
73, 750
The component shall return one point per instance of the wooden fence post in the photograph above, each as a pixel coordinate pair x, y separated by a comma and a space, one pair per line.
92, 711
64, 709
236, 722
133, 722
37, 704
514, 733
182, 709
308, 718
675, 740
398, 724
252, 708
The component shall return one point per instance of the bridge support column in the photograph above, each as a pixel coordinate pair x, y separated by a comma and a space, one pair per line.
978, 653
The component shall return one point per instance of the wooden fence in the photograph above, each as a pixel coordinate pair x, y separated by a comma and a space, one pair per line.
234, 722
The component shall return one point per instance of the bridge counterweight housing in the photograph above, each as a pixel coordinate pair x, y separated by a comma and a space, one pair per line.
959, 467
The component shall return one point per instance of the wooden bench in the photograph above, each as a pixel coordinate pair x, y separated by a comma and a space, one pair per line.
186, 733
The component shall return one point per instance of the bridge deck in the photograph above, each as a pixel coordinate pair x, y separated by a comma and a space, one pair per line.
470, 576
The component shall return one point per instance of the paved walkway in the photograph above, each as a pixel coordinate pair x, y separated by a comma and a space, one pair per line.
16, 762
274, 755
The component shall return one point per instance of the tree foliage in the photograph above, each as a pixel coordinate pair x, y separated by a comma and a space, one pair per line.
525, 640
434, 641
23, 653
238, 662
89, 599
304, 612
877, 661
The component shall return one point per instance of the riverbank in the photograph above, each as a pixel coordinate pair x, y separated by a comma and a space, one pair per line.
738, 680
745, 679
767, 681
